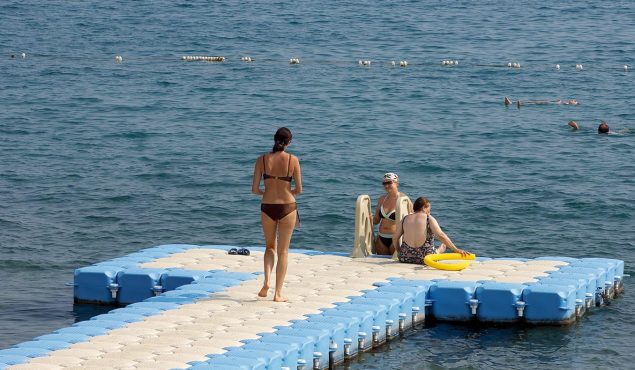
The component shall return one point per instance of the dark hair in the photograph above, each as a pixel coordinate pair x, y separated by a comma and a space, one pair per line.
421, 203
281, 139
603, 128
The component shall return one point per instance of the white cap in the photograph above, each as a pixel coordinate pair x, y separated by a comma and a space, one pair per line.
391, 176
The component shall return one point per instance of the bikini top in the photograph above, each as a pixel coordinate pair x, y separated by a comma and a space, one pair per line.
283, 178
389, 216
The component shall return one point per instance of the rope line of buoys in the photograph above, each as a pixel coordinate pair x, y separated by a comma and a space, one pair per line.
200, 58
449, 62
119, 59
433, 260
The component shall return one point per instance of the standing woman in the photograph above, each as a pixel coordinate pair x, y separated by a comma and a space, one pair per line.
278, 208
385, 214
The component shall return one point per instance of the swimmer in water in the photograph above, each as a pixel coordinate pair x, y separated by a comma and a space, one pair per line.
519, 103
573, 125
567, 102
603, 128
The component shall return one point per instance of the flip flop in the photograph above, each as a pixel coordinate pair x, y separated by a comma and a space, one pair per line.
233, 251
243, 251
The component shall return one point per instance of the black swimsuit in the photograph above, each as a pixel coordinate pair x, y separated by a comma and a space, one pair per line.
277, 211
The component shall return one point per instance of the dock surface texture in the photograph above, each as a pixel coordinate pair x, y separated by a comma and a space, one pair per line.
197, 307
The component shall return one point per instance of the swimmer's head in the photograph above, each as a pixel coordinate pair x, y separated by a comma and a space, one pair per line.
603, 128
390, 177
573, 102
281, 139
390, 180
574, 125
422, 203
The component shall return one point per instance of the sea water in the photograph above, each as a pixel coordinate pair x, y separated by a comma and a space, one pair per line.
99, 159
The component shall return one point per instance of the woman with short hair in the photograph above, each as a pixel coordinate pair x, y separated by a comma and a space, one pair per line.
418, 230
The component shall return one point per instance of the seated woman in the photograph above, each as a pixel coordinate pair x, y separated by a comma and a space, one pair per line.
385, 214
418, 230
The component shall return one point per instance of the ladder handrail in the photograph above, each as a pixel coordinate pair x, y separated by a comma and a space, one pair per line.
403, 207
364, 243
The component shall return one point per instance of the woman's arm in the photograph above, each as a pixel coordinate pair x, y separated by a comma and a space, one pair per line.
297, 176
376, 217
397, 234
436, 229
255, 182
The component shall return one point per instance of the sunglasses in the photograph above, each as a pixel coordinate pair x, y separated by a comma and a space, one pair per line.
386, 183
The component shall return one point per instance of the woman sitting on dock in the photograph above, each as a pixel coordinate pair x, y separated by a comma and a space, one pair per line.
385, 214
279, 215
418, 230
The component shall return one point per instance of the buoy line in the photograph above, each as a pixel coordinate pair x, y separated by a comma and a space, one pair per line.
558, 67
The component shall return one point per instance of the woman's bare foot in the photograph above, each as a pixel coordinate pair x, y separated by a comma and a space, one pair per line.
263, 292
279, 298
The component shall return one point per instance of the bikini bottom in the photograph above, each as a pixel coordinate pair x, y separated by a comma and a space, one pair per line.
277, 212
387, 241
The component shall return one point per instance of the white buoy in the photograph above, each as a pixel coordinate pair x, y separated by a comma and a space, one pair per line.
360, 62
578, 67
294, 61
558, 67
625, 67
246, 59
403, 63
393, 63
509, 64
456, 62
23, 55
118, 59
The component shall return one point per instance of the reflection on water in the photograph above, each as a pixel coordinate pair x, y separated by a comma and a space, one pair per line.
83, 312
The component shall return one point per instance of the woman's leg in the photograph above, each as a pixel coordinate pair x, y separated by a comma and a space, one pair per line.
380, 248
392, 250
269, 227
285, 230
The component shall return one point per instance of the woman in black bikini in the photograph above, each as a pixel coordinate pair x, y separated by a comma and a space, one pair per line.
278, 208
385, 214
418, 230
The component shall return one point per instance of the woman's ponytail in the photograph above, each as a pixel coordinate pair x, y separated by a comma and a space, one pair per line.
281, 139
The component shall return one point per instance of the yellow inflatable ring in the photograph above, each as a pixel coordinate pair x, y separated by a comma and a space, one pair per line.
432, 260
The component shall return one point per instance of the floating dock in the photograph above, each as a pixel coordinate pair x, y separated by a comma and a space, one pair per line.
195, 307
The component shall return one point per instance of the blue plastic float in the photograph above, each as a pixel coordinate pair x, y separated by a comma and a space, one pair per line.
338, 332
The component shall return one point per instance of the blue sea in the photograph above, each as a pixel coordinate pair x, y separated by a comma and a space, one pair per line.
100, 159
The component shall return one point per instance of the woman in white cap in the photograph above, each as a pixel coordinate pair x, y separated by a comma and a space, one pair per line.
385, 214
